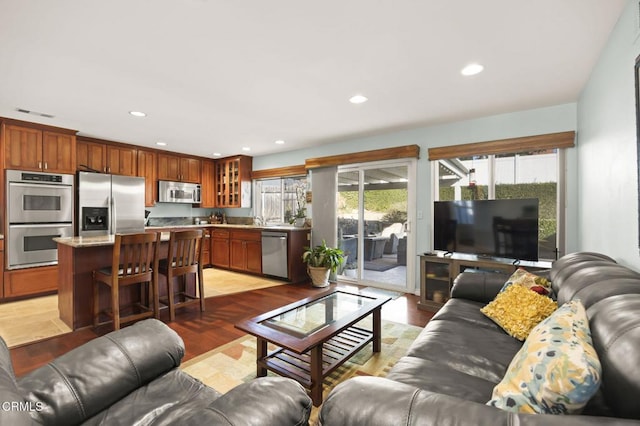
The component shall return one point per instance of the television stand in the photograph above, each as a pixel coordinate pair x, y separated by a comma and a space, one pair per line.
437, 273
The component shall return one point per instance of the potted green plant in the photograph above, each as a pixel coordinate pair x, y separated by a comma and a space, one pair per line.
321, 260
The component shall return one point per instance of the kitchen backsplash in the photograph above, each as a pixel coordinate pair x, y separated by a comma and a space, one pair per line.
187, 210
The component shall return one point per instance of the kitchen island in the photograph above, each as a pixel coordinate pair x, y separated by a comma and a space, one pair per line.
78, 257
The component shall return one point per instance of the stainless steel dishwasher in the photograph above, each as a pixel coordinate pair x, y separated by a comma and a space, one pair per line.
274, 254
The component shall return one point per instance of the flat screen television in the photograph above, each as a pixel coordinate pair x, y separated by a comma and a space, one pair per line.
493, 228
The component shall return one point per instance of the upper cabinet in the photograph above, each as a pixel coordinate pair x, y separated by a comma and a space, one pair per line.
106, 158
178, 168
35, 149
233, 181
122, 160
207, 187
147, 168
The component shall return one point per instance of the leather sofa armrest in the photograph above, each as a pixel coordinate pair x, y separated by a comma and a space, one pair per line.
374, 401
91, 377
478, 286
263, 401
14, 410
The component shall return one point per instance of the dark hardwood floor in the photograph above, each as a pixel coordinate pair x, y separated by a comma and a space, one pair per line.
204, 331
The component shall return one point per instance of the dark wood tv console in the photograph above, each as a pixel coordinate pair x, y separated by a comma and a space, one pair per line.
437, 272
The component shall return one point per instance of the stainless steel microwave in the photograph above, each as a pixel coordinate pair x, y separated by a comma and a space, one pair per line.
178, 192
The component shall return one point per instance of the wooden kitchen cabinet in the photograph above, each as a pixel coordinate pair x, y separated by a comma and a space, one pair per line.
30, 281
206, 247
147, 168
178, 168
93, 155
39, 149
208, 184
220, 248
122, 161
245, 251
233, 182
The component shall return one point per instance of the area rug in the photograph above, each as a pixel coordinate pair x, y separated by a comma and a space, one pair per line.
380, 265
234, 363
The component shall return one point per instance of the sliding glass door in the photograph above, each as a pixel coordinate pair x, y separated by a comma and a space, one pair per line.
375, 202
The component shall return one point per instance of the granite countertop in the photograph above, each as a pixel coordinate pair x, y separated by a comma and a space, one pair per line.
102, 240
106, 240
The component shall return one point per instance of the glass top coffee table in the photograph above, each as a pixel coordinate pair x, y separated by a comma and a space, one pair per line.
315, 336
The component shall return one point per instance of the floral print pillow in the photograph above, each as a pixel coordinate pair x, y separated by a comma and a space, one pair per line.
527, 279
557, 369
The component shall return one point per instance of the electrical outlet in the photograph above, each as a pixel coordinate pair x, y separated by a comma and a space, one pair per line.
420, 214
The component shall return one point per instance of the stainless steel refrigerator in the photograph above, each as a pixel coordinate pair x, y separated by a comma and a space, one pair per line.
109, 204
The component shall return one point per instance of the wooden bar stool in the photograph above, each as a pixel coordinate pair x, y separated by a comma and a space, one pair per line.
135, 261
185, 252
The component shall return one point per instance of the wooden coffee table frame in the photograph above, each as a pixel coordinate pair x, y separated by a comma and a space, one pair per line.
311, 358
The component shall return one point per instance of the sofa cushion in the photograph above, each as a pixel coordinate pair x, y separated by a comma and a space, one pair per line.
518, 309
615, 327
589, 276
465, 311
557, 370
165, 400
435, 377
457, 346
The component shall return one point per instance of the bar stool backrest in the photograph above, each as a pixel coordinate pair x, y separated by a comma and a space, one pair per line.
135, 257
185, 251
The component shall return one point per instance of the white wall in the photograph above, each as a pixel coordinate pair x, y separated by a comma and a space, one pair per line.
516, 124
607, 213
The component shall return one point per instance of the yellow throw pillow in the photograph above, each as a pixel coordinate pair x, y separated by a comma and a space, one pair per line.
517, 310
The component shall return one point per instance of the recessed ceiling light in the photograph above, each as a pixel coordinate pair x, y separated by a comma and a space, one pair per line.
137, 113
279, 142
472, 69
216, 154
161, 143
358, 99
246, 148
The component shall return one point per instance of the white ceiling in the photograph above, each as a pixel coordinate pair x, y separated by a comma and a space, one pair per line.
214, 75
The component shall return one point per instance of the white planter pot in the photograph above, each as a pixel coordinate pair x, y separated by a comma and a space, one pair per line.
352, 273
299, 222
319, 276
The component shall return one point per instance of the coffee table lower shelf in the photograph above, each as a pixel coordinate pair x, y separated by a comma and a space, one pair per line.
335, 352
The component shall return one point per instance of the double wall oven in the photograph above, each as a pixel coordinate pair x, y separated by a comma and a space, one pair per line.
39, 208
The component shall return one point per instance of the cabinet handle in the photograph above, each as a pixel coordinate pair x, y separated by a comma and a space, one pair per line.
39, 164
46, 166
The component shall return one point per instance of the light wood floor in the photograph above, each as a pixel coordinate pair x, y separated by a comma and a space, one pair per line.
31, 320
